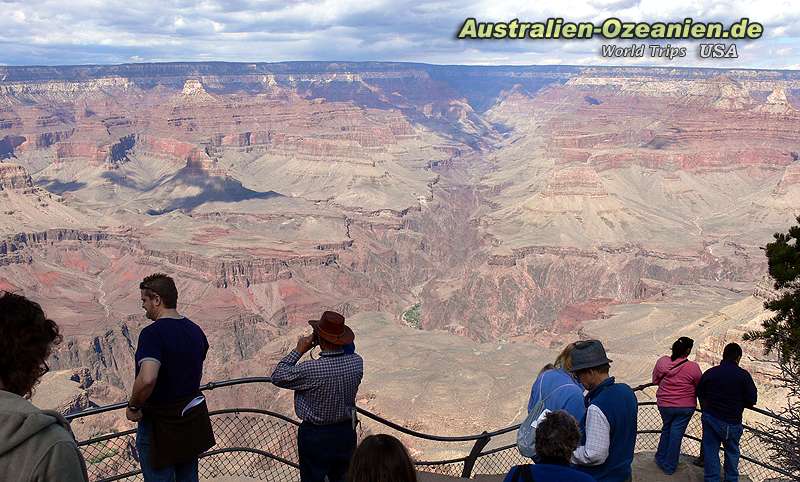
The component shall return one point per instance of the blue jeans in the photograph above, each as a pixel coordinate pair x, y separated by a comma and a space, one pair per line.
716, 432
176, 473
325, 450
675, 420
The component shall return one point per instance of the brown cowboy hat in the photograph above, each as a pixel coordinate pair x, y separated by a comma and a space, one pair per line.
331, 328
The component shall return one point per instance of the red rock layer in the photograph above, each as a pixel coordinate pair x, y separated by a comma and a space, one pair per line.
678, 134
575, 180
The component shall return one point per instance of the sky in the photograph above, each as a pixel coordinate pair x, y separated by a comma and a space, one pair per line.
49, 32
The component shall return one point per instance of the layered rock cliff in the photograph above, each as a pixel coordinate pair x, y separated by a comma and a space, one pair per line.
502, 202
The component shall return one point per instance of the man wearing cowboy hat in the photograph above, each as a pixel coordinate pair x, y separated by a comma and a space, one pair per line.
609, 429
324, 398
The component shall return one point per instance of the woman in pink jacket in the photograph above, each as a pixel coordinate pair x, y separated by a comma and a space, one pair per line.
677, 379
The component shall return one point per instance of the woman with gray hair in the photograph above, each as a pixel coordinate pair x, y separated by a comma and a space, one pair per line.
557, 436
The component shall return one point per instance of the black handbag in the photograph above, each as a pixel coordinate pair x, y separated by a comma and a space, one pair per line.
179, 437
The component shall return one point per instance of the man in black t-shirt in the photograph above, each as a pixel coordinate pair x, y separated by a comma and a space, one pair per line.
169, 365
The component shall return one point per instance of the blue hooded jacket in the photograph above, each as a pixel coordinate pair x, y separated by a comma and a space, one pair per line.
569, 397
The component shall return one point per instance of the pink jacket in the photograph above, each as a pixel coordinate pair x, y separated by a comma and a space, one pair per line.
676, 388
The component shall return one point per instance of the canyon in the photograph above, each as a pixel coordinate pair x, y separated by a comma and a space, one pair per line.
511, 210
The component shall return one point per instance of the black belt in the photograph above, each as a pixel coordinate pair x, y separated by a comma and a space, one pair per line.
331, 424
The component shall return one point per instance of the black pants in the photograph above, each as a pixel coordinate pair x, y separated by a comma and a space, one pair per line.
325, 450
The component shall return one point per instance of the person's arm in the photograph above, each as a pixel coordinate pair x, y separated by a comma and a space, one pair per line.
148, 356
696, 373
143, 387
751, 392
288, 374
701, 388
534, 391
658, 372
145, 382
598, 439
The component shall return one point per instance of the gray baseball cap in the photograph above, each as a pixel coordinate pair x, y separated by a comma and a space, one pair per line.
588, 354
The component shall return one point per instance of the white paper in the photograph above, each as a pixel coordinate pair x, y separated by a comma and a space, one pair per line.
535, 423
195, 402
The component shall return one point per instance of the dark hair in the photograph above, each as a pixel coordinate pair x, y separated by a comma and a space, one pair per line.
557, 436
163, 286
381, 458
681, 347
549, 366
26, 340
604, 369
732, 352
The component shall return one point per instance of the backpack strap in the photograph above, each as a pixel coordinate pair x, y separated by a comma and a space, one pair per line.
555, 390
523, 473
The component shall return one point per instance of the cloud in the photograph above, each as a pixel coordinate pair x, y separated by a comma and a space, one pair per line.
117, 31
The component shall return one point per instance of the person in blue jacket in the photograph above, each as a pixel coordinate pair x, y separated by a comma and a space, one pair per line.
556, 385
557, 436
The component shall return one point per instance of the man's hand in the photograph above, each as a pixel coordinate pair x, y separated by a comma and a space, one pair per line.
133, 416
305, 343
143, 387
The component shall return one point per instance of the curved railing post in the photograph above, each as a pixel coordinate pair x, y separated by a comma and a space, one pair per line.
469, 462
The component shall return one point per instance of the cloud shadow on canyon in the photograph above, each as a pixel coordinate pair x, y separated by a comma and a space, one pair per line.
124, 181
59, 187
212, 189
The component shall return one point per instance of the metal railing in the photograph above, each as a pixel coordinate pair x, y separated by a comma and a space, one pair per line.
261, 445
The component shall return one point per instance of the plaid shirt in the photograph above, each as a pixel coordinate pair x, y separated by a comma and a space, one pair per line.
325, 388
598, 439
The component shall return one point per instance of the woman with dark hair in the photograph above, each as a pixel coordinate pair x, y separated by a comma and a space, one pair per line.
677, 380
381, 458
557, 436
35, 445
